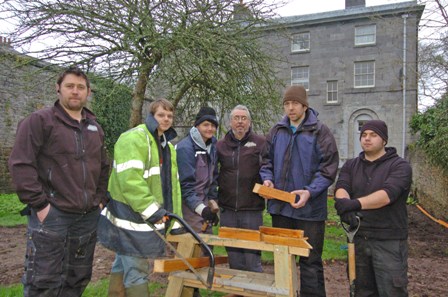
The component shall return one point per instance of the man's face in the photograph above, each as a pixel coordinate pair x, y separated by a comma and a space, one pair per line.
240, 122
371, 142
294, 110
164, 118
73, 92
207, 130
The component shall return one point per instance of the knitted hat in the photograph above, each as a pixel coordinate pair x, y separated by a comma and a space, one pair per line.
377, 126
206, 114
296, 93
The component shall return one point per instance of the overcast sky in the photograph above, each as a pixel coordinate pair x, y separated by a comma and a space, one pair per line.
298, 7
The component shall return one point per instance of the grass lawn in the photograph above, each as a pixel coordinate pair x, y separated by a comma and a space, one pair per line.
334, 246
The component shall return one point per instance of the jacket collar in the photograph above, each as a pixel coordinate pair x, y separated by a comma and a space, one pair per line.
152, 124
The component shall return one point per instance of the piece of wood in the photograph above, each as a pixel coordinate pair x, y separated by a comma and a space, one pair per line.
169, 265
271, 193
297, 233
237, 233
288, 241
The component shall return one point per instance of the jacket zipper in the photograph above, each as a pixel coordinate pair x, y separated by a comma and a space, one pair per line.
237, 193
80, 152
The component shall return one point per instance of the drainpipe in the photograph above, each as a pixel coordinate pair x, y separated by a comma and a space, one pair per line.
404, 16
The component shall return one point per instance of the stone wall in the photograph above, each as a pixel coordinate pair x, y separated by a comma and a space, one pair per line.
25, 86
430, 185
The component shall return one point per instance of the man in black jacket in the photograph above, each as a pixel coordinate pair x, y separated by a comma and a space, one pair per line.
240, 156
59, 168
375, 186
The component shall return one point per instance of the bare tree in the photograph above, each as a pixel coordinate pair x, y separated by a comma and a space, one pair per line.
194, 52
433, 50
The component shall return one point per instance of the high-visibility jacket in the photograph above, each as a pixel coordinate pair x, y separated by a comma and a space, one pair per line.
135, 187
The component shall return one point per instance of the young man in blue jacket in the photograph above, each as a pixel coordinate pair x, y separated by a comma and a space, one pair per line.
303, 159
375, 186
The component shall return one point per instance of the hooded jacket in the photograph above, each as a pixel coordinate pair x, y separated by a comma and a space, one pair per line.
60, 161
240, 162
136, 187
361, 177
198, 174
306, 159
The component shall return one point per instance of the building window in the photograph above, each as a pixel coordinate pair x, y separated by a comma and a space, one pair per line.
332, 91
300, 42
300, 76
365, 35
364, 74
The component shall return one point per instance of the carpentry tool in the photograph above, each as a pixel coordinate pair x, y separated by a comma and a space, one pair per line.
211, 270
215, 209
351, 253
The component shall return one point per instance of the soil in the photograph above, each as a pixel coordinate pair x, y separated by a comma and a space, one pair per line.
428, 260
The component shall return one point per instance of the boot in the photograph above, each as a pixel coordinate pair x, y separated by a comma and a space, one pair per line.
116, 287
138, 291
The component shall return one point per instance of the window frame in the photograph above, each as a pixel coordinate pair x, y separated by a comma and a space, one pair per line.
364, 76
305, 82
333, 91
360, 36
296, 47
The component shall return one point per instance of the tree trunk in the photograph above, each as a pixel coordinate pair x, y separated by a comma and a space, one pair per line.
139, 95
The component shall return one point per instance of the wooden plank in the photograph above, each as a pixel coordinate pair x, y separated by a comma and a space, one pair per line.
285, 271
288, 241
297, 233
169, 265
271, 193
237, 233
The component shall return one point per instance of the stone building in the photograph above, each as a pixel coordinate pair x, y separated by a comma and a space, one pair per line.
25, 86
359, 63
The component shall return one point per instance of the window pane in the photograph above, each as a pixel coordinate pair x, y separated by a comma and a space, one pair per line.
300, 42
300, 76
364, 75
365, 35
332, 91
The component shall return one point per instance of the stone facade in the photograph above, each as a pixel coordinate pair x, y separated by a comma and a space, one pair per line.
429, 185
331, 54
24, 88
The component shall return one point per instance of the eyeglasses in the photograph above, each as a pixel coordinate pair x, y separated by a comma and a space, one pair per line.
240, 118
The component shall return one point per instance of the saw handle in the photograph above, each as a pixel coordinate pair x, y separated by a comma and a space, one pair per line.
211, 271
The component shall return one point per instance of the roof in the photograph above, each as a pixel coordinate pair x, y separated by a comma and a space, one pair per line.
351, 13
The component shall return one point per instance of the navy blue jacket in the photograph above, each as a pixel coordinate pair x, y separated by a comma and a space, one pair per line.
307, 159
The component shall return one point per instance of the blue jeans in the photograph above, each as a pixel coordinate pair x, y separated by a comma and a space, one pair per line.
243, 259
59, 253
135, 270
312, 282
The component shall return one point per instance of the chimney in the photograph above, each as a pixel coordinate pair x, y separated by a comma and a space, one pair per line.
355, 3
241, 12
5, 41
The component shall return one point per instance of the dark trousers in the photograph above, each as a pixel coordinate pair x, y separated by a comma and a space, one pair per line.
243, 259
381, 267
59, 253
312, 282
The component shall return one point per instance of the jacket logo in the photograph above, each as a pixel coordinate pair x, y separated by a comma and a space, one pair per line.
92, 128
250, 144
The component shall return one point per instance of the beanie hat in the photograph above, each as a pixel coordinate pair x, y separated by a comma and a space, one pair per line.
206, 114
377, 126
296, 93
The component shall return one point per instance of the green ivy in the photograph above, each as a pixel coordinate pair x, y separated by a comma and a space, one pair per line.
112, 106
432, 127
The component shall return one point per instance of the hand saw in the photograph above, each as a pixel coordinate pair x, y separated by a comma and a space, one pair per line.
211, 270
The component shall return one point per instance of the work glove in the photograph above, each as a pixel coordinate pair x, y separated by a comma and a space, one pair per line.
178, 231
344, 205
350, 218
209, 216
157, 216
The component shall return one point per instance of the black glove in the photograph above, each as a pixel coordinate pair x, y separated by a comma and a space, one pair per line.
178, 231
350, 218
157, 216
344, 205
208, 215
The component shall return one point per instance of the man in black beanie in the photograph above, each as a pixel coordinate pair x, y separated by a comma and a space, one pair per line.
375, 187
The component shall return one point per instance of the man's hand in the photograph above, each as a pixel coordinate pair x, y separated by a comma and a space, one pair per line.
43, 213
208, 215
304, 196
344, 205
350, 218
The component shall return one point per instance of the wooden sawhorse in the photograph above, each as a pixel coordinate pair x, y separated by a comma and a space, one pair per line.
282, 283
